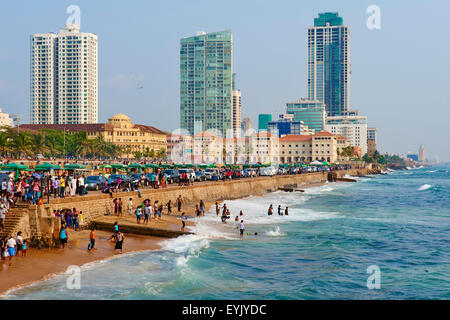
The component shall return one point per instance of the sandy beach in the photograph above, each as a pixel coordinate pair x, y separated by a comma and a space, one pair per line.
38, 265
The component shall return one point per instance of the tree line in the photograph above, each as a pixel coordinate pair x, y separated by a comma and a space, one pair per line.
59, 144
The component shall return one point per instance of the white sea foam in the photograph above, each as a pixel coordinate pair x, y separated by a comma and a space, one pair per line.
424, 187
275, 233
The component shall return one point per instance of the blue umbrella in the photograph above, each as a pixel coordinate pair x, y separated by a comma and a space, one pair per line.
36, 175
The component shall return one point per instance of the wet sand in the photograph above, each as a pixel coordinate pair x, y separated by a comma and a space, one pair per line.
39, 264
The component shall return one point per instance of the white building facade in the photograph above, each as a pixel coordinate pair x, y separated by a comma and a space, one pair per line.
236, 116
64, 77
353, 128
5, 119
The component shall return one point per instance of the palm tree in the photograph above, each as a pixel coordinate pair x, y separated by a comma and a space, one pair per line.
51, 142
82, 143
4, 142
21, 143
161, 153
38, 143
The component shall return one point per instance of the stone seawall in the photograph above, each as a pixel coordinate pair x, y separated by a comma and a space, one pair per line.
39, 223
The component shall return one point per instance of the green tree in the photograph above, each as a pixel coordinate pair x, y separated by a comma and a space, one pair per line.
21, 143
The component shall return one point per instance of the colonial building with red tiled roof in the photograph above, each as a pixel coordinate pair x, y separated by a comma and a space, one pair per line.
322, 146
119, 130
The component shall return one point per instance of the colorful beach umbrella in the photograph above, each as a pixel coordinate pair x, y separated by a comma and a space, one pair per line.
47, 166
74, 166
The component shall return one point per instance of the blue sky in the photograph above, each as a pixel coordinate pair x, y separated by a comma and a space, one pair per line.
399, 73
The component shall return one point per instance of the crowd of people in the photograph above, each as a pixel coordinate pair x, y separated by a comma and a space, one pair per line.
11, 246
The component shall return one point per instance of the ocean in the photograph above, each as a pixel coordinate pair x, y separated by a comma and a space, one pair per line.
398, 224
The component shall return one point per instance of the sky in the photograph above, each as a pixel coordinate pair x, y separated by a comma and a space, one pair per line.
399, 74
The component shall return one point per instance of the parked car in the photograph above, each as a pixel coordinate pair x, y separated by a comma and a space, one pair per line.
212, 174
173, 175
124, 179
269, 171
200, 176
94, 182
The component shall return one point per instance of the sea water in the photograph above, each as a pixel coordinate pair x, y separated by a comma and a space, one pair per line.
399, 223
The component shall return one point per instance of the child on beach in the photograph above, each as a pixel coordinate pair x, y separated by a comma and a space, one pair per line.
63, 236
138, 214
183, 221
24, 249
91, 239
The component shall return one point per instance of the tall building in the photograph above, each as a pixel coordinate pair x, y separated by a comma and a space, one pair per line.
246, 124
311, 112
422, 153
371, 141
64, 77
353, 128
329, 63
237, 108
263, 121
5, 119
206, 82
287, 125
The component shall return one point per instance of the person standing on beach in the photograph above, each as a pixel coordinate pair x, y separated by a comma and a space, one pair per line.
19, 243
116, 206
179, 202
119, 237
286, 211
91, 239
241, 228
183, 221
130, 206
169, 207
270, 211
147, 212
11, 243
279, 210
217, 209
63, 236
197, 210
120, 207
138, 214
202, 208
3, 212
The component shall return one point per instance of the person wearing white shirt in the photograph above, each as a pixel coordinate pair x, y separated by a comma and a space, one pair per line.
241, 227
10, 244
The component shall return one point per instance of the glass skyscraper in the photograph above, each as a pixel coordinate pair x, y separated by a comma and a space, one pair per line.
206, 82
311, 112
329, 63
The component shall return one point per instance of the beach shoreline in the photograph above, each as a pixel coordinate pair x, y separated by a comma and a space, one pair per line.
42, 264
